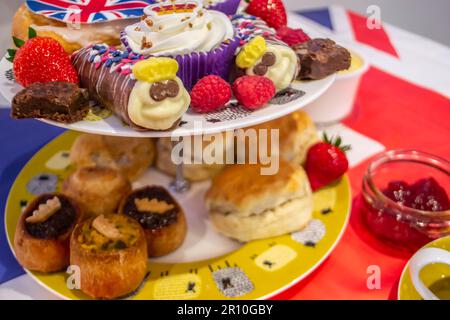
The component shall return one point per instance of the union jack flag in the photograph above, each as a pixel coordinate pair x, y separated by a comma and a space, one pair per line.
89, 11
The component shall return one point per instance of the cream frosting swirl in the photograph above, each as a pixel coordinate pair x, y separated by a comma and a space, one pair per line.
166, 31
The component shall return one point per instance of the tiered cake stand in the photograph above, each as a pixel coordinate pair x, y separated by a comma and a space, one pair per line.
230, 118
206, 258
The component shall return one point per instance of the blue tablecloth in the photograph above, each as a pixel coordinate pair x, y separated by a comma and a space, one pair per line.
19, 141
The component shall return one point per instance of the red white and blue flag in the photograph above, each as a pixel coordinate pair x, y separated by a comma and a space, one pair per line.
88, 11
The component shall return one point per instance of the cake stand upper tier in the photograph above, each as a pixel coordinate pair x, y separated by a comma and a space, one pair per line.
233, 117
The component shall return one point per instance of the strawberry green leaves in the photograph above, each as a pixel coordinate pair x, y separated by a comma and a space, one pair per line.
19, 43
336, 141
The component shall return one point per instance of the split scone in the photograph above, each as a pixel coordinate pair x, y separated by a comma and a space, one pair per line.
198, 169
131, 156
245, 205
111, 252
41, 241
297, 133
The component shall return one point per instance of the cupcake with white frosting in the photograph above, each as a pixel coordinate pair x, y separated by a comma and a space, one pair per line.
202, 41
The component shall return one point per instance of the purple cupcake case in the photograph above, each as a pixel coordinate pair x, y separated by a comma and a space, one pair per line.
196, 65
229, 7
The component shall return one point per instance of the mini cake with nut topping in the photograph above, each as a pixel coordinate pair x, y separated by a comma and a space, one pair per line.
41, 241
111, 252
161, 217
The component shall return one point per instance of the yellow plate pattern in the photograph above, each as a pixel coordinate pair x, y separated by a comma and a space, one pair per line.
258, 269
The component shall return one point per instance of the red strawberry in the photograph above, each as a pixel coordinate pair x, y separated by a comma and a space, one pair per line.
292, 36
42, 60
210, 93
271, 11
325, 162
253, 91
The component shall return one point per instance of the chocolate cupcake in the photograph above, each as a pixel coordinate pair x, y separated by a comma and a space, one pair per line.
41, 241
161, 217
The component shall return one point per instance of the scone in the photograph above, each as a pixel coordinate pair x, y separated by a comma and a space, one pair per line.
192, 171
297, 133
161, 217
132, 156
111, 252
245, 205
71, 39
98, 190
41, 241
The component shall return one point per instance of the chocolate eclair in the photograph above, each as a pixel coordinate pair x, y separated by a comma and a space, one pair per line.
41, 241
161, 217
145, 93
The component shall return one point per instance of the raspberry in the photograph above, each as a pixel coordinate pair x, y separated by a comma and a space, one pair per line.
210, 93
253, 91
292, 36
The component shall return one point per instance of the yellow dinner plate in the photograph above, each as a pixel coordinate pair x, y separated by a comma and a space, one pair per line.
429, 274
208, 265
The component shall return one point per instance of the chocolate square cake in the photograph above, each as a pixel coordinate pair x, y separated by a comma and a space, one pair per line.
320, 58
58, 101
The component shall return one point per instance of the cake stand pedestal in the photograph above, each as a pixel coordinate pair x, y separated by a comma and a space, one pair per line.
180, 184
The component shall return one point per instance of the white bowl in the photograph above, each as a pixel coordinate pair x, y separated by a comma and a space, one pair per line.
337, 103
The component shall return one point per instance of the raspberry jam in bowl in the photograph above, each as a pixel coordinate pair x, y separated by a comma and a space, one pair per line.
405, 198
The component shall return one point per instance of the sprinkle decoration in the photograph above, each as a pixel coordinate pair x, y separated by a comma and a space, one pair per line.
248, 27
116, 60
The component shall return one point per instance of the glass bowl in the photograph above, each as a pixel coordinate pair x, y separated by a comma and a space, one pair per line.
392, 222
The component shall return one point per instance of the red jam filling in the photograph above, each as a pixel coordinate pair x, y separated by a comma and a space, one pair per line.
425, 194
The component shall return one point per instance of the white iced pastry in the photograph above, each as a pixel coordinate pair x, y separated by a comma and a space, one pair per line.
72, 36
263, 53
85, 34
158, 98
158, 115
282, 73
178, 27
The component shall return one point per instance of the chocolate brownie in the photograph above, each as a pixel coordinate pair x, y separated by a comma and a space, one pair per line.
58, 101
320, 58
